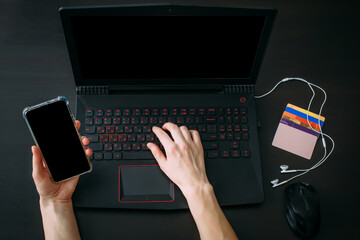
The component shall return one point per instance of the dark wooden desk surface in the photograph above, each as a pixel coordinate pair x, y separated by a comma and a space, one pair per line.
316, 40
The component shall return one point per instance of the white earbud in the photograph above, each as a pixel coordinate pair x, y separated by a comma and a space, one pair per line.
284, 169
276, 183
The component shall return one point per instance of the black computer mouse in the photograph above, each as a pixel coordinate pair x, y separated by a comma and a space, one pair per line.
302, 209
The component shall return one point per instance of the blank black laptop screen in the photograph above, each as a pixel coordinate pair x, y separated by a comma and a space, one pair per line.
160, 47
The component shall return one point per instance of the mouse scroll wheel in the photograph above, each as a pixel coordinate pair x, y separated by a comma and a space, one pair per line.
301, 190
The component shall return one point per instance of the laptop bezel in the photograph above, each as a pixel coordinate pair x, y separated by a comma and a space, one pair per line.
166, 10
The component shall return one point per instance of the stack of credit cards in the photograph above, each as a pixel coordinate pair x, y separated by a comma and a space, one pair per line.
294, 133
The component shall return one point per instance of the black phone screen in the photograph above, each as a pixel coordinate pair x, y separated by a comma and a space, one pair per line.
55, 133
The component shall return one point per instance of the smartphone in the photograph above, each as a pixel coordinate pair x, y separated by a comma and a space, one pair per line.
53, 128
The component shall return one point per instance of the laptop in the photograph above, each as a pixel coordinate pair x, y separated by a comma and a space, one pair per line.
136, 66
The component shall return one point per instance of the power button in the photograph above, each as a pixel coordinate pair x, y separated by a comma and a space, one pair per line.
243, 99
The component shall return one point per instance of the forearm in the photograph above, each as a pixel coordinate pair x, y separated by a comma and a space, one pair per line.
58, 220
208, 216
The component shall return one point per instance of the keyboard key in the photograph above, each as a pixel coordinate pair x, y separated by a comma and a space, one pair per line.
147, 129
104, 138
98, 156
100, 129
141, 155
137, 129
117, 112
108, 112
235, 144
98, 121
208, 137
127, 146
93, 138
146, 112
119, 129
222, 136
110, 129
136, 146
117, 147
117, 156
116, 120
108, 147
211, 111
135, 120
137, 112
140, 138
244, 119
183, 112
144, 120
210, 120
122, 137
155, 112
96, 146
108, 156
164, 112
213, 154
107, 121
243, 111
89, 113
128, 129
224, 154
89, 130
131, 138
245, 136
235, 153
125, 120
113, 138
174, 112
127, 112
210, 145
99, 112
245, 153
245, 128
89, 121
201, 111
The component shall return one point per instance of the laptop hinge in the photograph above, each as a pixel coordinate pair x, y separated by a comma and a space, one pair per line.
92, 90
238, 89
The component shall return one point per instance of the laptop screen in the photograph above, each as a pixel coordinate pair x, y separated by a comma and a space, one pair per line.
126, 47
152, 45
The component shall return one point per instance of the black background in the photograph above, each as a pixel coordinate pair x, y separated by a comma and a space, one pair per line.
316, 40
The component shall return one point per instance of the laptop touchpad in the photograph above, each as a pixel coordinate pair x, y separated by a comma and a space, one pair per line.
144, 183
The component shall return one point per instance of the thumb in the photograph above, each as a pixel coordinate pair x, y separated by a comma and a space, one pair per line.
157, 153
37, 162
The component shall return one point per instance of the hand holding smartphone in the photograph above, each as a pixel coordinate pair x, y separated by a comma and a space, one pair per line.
53, 129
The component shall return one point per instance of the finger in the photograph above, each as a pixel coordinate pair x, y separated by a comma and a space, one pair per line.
88, 152
175, 132
37, 162
162, 136
157, 153
196, 138
77, 124
85, 140
186, 133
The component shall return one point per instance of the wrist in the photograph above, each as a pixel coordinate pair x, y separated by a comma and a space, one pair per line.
55, 203
200, 192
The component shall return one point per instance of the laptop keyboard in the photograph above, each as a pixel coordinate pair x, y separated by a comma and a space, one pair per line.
122, 133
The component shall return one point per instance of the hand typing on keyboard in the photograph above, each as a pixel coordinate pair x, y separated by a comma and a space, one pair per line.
184, 164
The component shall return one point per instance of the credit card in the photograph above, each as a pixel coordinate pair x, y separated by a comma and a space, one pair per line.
294, 133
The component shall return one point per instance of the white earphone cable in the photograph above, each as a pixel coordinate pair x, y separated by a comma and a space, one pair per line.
325, 156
